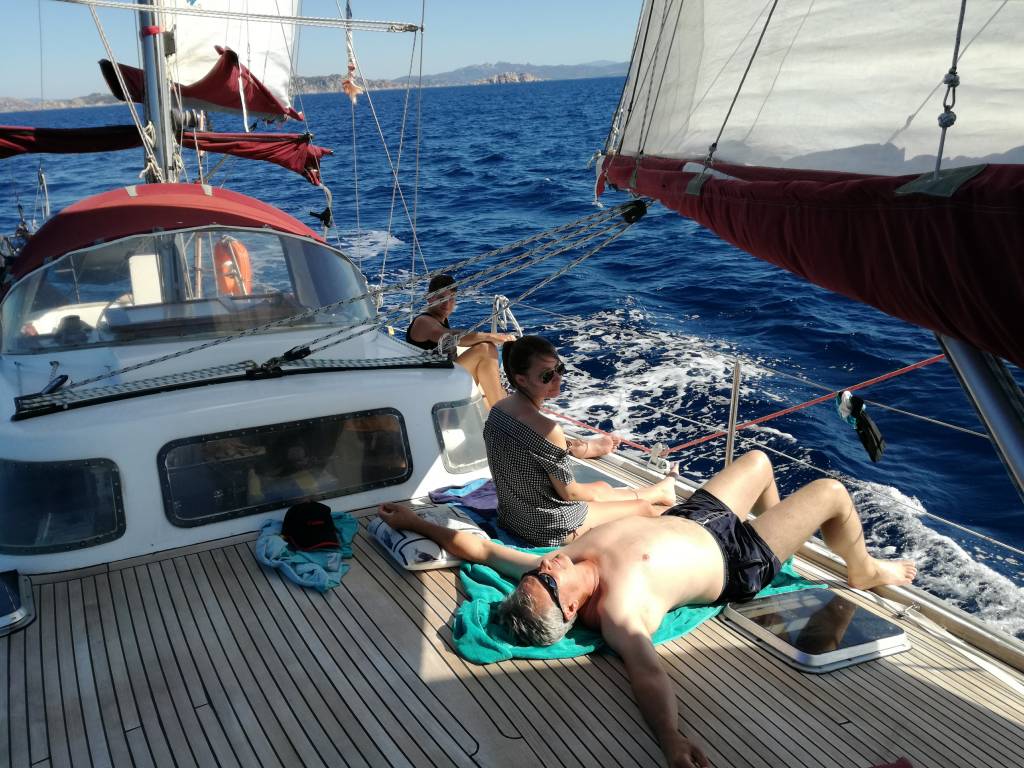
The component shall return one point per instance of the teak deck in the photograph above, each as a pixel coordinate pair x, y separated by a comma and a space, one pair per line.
203, 657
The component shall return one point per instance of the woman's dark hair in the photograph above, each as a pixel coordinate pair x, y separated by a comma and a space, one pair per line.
516, 356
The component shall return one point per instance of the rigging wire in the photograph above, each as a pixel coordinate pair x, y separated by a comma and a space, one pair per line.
147, 142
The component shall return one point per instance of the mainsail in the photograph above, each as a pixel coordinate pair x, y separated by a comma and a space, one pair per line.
792, 129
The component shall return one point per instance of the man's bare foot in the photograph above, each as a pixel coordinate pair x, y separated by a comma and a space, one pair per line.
879, 573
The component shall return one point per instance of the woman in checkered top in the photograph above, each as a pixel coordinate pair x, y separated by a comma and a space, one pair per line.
539, 499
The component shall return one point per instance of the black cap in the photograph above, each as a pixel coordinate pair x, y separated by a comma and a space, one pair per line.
309, 525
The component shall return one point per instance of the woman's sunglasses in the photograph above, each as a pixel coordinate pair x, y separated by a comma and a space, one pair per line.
548, 375
549, 583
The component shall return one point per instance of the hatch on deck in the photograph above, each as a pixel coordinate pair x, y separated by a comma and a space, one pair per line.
817, 630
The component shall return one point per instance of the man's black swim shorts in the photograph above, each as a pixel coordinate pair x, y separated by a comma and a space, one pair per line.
750, 564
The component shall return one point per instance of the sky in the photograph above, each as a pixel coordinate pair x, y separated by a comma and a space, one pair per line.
60, 63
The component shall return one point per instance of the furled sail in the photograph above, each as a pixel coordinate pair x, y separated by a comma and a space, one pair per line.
294, 151
266, 49
815, 115
23, 140
239, 65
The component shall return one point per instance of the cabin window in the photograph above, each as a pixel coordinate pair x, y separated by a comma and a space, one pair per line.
245, 472
460, 434
54, 506
186, 284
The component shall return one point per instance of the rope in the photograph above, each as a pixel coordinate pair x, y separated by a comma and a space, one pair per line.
147, 145
814, 401
951, 80
437, 297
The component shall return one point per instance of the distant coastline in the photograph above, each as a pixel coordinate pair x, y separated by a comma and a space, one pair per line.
499, 73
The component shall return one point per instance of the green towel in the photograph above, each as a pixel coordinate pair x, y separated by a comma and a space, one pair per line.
479, 640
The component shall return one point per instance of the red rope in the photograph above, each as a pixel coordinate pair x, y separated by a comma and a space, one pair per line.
762, 419
823, 398
630, 443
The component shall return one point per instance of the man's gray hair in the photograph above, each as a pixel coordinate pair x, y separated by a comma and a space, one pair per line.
529, 626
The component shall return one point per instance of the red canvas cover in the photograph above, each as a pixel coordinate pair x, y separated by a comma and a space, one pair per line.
954, 265
294, 151
19, 139
148, 208
217, 91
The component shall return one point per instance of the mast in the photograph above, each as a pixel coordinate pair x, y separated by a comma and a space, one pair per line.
158, 112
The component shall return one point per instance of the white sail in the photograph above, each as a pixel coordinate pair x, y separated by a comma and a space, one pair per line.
265, 48
848, 85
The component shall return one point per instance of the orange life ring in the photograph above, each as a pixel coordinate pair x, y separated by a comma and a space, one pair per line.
233, 267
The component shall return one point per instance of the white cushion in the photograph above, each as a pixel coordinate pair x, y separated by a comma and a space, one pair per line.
418, 553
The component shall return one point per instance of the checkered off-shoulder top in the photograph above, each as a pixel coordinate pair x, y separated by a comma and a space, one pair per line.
522, 463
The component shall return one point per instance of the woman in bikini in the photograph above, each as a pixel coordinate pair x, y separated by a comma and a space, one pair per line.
539, 499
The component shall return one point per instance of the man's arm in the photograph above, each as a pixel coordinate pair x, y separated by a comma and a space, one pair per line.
465, 546
652, 689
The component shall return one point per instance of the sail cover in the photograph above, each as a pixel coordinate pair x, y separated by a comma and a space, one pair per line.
266, 49
294, 151
835, 115
21, 140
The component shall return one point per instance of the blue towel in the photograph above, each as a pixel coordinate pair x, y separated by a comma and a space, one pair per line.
482, 641
320, 570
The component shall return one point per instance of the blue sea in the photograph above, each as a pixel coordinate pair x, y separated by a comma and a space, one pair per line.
651, 326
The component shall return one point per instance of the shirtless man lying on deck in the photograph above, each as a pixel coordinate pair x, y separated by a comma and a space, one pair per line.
624, 576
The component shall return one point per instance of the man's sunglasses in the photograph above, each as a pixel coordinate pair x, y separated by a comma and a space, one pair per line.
549, 583
548, 375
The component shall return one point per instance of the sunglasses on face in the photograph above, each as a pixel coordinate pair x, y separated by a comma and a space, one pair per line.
548, 375
549, 583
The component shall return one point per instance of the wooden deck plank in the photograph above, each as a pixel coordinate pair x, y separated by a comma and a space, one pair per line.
142, 757
164, 666
278, 723
775, 713
397, 583
39, 747
5, 702
81, 661
148, 702
394, 730
91, 624
56, 733
215, 736
114, 649
17, 704
236, 709
71, 699
322, 728
175, 644
767, 681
